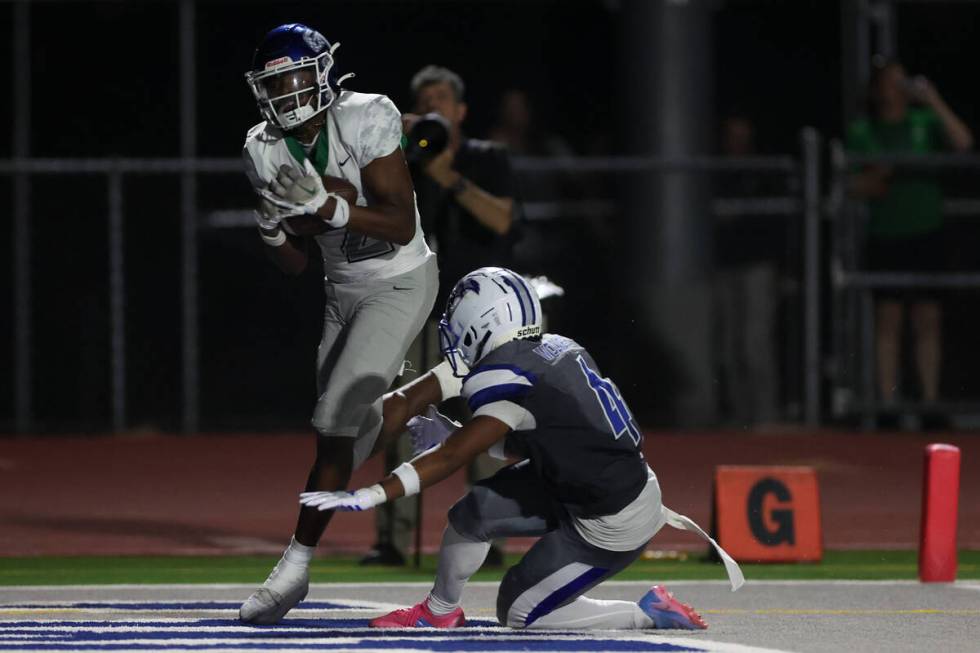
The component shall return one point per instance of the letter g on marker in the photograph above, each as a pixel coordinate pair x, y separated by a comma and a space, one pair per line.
781, 518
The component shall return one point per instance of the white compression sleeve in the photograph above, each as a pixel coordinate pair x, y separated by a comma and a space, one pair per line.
587, 613
459, 558
450, 384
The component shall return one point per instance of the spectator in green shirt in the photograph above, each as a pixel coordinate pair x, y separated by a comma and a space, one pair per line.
905, 232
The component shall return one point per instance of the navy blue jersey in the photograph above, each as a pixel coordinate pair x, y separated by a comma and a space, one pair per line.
566, 418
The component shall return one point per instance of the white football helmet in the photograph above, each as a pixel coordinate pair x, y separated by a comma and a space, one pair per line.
487, 308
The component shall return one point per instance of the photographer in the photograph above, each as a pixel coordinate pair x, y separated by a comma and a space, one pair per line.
466, 193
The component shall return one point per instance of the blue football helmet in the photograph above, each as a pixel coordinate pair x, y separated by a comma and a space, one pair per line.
292, 75
487, 308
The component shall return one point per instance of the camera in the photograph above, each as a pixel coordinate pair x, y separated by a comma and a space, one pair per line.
427, 138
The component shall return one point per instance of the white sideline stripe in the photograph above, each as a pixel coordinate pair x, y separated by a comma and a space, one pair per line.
707, 646
359, 649
485, 583
304, 612
345, 603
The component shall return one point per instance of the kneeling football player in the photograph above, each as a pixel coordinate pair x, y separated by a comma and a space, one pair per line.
581, 483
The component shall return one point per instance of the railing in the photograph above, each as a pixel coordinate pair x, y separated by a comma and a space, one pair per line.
114, 172
851, 365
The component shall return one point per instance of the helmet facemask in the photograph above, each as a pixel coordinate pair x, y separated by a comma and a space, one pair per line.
451, 343
289, 93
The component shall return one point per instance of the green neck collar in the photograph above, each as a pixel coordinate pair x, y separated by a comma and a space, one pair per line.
320, 154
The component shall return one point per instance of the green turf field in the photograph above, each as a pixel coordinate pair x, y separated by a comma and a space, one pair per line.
860, 565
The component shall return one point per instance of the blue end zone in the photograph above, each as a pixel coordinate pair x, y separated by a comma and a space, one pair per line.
330, 634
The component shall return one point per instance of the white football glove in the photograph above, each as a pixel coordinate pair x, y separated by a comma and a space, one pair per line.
430, 429
363, 499
268, 216
299, 191
302, 191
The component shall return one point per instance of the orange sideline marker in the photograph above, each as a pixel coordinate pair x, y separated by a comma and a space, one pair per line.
768, 514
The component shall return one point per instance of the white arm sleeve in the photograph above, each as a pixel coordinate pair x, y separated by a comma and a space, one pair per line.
516, 417
449, 383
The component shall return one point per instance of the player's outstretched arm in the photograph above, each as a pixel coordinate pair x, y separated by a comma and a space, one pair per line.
411, 399
475, 437
458, 451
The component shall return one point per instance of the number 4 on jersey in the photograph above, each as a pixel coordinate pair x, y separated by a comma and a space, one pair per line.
617, 414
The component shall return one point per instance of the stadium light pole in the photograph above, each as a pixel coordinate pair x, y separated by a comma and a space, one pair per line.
117, 303
867, 28
667, 60
188, 209
22, 297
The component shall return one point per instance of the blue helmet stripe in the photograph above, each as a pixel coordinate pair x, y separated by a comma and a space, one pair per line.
530, 297
520, 300
517, 282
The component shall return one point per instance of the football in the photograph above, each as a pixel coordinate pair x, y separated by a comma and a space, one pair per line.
341, 187
303, 190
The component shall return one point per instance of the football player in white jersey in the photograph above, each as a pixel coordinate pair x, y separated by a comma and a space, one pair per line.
326, 163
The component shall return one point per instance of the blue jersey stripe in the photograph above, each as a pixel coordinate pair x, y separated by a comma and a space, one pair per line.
530, 376
502, 392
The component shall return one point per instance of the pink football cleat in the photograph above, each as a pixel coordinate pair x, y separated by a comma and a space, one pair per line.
667, 612
419, 616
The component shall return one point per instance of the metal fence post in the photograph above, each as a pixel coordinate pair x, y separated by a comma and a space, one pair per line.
188, 209
811, 276
869, 408
117, 303
23, 372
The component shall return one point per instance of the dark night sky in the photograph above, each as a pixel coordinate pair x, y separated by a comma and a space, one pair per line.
105, 83
106, 72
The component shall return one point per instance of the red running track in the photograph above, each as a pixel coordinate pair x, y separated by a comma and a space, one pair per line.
222, 494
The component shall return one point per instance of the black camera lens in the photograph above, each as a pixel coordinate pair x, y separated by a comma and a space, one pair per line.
427, 138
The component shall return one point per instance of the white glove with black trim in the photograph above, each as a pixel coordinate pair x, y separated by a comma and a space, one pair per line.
363, 499
430, 429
